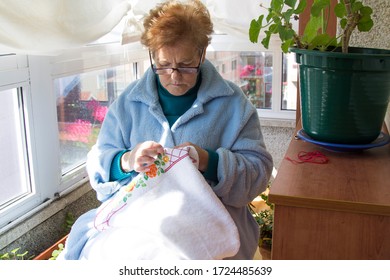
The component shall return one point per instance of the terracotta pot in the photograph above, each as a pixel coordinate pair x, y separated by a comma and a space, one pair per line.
45, 255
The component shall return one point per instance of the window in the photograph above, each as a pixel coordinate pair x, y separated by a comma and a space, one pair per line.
290, 84
253, 74
82, 103
51, 111
267, 77
14, 173
83, 93
17, 189
234, 65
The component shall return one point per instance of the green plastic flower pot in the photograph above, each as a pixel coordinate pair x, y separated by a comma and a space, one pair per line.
344, 97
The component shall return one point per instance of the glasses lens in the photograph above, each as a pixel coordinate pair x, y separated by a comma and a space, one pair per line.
181, 70
163, 71
188, 70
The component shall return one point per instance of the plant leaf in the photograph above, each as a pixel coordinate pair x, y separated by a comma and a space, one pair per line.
277, 5
274, 28
286, 45
270, 15
311, 29
365, 11
265, 41
290, 3
254, 29
285, 33
14, 251
301, 7
288, 14
318, 6
343, 23
356, 6
365, 26
340, 10
277, 19
4, 256
321, 42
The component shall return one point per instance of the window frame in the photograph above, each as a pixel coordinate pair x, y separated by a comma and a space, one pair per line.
91, 58
15, 75
35, 75
223, 42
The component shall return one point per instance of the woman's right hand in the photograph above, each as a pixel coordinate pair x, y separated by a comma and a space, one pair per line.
141, 157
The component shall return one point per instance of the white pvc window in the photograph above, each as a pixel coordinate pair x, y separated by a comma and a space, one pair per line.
82, 103
44, 136
14, 173
289, 82
18, 194
84, 85
266, 76
251, 71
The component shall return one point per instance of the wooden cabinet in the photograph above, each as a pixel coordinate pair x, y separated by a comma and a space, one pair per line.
337, 210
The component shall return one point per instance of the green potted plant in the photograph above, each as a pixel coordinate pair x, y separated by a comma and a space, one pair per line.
344, 90
263, 212
54, 250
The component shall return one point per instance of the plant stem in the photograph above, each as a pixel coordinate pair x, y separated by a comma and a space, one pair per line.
298, 42
352, 21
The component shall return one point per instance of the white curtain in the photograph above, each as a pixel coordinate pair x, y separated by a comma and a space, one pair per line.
49, 26
46, 26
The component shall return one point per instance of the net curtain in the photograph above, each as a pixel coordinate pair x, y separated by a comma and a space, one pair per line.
51, 25
47, 26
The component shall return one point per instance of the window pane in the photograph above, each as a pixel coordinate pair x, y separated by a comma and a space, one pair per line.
252, 71
82, 103
13, 167
289, 86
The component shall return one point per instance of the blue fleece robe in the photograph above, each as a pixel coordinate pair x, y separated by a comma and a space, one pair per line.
221, 119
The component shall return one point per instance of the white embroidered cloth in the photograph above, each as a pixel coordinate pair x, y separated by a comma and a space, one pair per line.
169, 212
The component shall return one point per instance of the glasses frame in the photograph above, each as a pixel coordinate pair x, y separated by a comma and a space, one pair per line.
170, 70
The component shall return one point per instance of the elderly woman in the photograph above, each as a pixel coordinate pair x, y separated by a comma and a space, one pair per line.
181, 101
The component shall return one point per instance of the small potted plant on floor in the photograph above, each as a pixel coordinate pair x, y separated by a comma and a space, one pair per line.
55, 249
344, 90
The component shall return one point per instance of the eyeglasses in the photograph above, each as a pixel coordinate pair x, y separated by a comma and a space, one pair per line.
169, 70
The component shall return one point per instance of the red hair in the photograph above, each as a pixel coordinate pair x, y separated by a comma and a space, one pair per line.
173, 21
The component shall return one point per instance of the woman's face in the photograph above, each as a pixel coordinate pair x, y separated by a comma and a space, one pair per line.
180, 55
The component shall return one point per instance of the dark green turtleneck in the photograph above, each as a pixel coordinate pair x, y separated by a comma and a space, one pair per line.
175, 106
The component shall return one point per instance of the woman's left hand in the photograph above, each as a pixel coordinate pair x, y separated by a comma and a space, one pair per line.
202, 154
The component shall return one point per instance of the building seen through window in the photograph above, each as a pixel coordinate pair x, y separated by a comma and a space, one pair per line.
82, 103
253, 72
